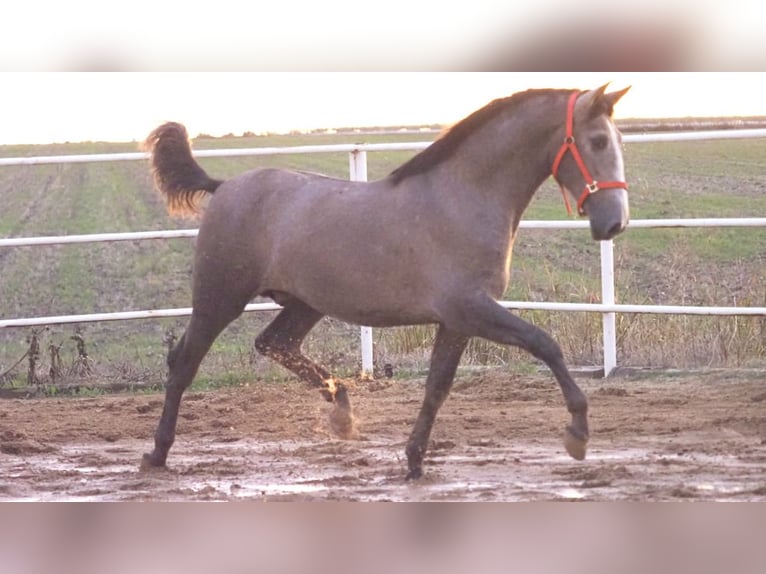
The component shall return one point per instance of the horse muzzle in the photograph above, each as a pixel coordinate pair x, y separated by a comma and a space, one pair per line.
608, 212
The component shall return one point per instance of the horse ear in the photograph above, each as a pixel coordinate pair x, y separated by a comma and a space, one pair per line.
614, 97
589, 101
598, 102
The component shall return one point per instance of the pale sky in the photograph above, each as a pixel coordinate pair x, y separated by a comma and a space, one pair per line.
57, 107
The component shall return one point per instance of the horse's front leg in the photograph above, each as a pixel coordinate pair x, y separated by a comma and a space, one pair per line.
445, 357
482, 316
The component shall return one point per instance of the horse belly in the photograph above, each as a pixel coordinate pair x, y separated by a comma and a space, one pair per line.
366, 300
357, 286
373, 314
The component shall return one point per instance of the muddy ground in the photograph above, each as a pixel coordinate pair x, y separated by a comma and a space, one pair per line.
657, 437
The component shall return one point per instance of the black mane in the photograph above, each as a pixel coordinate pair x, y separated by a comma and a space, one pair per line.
443, 148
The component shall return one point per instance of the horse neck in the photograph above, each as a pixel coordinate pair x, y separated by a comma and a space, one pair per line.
505, 161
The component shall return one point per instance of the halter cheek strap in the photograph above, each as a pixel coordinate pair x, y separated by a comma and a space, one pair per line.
569, 145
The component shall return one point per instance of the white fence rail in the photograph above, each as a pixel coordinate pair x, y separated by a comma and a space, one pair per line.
358, 172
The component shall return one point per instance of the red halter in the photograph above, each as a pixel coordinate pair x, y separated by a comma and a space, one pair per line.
591, 185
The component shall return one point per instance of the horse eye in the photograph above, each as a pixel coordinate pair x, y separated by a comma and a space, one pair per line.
599, 143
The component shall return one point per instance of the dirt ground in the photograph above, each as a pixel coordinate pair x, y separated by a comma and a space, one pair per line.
498, 438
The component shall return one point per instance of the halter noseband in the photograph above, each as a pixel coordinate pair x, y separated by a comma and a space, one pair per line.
591, 185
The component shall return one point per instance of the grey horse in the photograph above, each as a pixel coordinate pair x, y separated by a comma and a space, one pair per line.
430, 243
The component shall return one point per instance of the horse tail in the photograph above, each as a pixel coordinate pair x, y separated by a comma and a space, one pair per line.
177, 176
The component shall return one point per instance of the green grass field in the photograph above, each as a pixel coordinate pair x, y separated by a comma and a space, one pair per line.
697, 266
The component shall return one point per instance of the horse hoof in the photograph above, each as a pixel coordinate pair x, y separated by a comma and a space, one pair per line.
414, 474
575, 445
148, 462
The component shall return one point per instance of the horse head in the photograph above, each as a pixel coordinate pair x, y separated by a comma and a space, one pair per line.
588, 164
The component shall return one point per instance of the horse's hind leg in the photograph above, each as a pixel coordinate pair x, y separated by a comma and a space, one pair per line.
445, 357
183, 362
281, 341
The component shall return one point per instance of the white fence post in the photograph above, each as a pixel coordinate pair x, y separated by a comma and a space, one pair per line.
609, 322
357, 167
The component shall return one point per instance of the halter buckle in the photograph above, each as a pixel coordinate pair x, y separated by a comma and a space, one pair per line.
592, 187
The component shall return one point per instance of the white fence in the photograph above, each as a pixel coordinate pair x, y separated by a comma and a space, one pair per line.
358, 172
